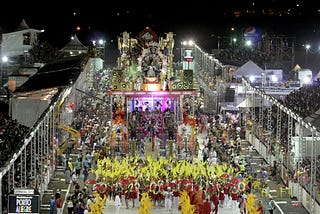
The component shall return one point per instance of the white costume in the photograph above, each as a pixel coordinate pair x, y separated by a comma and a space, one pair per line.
117, 204
168, 195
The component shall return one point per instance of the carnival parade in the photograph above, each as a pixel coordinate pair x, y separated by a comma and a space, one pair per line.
152, 150
136, 138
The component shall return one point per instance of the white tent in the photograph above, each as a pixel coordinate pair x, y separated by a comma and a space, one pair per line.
249, 69
74, 47
246, 103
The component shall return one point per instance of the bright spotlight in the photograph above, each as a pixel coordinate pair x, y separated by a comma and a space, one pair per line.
251, 78
248, 43
5, 59
274, 78
308, 46
190, 43
101, 42
306, 80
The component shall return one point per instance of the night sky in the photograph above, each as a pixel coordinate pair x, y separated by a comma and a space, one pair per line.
199, 20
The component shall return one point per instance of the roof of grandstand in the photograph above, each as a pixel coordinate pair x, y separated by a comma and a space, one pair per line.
56, 74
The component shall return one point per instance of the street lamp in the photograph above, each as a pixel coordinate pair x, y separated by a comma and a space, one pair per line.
248, 43
234, 41
307, 46
186, 53
100, 46
4, 60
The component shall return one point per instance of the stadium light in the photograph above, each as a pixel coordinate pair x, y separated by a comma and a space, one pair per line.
187, 43
248, 43
4, 59
251, 78
307, 46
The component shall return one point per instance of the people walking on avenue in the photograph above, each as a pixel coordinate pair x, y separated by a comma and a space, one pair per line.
59, 205
271, 206
260, 207
215, 201
68, 175
176, 197
70, 205
242, 204
85, 174
227, 201
78, 168
58, 194
52, 204
117, 204
207, 207
168, 196
81, 206
205, 153
74, 178
221, 198
234, 198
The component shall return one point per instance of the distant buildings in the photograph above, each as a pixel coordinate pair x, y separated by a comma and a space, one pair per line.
19, 42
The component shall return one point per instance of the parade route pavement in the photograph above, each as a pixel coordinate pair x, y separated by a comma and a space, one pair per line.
110, 208
285, 205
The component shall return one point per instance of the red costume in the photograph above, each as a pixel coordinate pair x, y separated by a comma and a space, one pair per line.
215, 200
207, 207
133, 194
226, 189
176, 193
234, 195
221, 196
156, 195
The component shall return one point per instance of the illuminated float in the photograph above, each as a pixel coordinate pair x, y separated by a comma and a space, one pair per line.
152, 104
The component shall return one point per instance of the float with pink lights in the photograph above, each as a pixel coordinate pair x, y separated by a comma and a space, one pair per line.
152, 104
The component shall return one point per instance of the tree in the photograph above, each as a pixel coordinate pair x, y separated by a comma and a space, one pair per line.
44, 52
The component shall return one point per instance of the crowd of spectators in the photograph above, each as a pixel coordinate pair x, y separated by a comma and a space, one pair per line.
240, 55
305, 100
12, 136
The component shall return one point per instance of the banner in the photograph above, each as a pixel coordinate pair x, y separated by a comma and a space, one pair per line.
24, 201
253, 34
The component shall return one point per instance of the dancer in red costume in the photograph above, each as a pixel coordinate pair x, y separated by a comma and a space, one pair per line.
234, 198
176, 196
156, 196
215, 201
133, 192
221, 198
207, 207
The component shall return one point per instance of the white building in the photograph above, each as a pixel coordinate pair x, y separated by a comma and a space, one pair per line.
18, 42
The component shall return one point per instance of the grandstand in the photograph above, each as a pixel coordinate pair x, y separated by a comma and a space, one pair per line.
277, 117
40, 105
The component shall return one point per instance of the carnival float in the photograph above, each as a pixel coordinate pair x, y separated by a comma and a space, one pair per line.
152, 103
